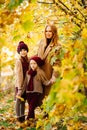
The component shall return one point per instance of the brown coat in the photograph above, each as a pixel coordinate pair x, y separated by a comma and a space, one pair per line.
47, 67
38, 81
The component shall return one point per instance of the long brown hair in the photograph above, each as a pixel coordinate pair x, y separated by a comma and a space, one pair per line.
54, 40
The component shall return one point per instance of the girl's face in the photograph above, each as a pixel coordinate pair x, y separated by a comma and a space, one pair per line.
48, 32
33, 65
23, 52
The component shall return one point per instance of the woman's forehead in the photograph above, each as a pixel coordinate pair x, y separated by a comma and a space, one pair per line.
48, 28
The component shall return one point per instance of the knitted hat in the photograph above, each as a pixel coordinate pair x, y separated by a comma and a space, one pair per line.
21, 46
38, 60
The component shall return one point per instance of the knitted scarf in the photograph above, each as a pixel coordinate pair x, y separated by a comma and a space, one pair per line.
30, 86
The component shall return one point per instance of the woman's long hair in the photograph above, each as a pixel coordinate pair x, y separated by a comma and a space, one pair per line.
54, 40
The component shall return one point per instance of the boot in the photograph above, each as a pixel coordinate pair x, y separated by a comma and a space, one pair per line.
19, 119
22, 118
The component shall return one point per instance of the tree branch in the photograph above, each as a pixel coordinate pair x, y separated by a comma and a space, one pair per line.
67, 10
42, 2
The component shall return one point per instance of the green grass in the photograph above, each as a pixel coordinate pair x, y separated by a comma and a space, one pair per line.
5, 124
4, 109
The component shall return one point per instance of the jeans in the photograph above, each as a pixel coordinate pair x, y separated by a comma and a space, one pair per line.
20, 105
20, 108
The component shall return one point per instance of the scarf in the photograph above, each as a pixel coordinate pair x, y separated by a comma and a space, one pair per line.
48, 42
30, 86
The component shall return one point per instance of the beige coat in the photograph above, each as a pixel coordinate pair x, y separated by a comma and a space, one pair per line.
43, 55
18, 74
38, 81
47, 67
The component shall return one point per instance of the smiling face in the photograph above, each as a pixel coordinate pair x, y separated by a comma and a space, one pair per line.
48, 32
33, 65
23, 52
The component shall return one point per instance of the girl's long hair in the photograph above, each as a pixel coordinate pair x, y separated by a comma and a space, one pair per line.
54, 40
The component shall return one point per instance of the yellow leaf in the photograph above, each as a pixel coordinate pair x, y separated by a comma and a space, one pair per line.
22, 99
84, 33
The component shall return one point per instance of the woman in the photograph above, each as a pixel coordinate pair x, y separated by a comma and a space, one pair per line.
48, 48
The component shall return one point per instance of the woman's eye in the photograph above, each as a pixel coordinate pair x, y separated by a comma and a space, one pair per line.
49, 31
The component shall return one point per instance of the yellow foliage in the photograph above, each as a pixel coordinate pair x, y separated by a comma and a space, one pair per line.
68, 29
77, 44
58, 110
65, 83
76, 80
80, 69
84, 33
67, 71
57, 68
72, 125
83, 79
80, 56
73, 2
39, 123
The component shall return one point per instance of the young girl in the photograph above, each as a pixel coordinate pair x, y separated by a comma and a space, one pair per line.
21, 67
35, 77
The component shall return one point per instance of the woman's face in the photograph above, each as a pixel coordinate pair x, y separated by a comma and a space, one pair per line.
23, 52
48, 32
33, 65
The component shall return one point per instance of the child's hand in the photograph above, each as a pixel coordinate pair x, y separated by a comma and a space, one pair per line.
52, 80
19, 92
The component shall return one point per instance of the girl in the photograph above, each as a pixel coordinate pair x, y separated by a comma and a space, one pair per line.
34, 79
21, 67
